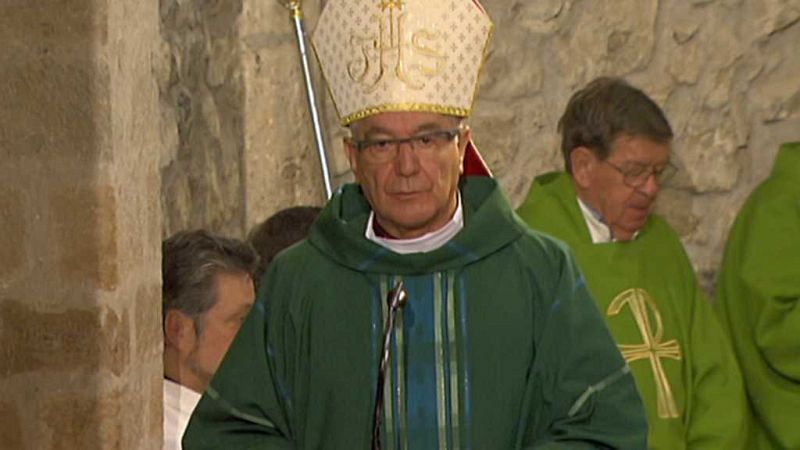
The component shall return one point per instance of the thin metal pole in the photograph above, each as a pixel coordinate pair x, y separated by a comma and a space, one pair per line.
397, 298
297, 18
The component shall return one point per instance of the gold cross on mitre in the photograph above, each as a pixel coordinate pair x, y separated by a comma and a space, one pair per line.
641, 305
392, 4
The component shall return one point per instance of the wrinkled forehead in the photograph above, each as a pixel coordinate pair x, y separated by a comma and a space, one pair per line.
402, 123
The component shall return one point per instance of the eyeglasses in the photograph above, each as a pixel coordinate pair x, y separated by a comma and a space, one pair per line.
636, 175
385, 150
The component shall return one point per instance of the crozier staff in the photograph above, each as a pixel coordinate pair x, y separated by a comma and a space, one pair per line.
295, 8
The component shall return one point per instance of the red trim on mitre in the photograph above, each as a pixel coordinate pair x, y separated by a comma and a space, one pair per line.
474, 165
478, 4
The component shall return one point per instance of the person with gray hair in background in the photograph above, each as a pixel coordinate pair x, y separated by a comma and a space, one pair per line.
617, 143
207, 292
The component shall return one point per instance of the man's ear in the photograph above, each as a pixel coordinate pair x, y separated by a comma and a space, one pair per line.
583, 162
179, 331
466, 136
352, 156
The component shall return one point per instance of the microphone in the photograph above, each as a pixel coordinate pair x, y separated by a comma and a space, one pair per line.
396, 299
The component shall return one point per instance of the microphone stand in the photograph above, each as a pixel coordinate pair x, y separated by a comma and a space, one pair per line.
397, 298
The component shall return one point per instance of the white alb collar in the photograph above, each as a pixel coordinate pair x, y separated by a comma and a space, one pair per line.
423, 244
600, 231
180, 397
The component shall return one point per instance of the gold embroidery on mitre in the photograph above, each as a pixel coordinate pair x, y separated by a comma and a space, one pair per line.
642, 306
378, 55
411, 56
418, 107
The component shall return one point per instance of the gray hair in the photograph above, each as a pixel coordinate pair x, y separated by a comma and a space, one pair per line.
606, 109
190, 263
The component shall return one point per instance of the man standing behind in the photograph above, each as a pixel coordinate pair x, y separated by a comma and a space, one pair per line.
497, 344
758, 298
279, 232
207, 292
616, 145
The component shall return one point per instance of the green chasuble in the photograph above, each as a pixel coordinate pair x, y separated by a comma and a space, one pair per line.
665, 327
758, 298
500, 345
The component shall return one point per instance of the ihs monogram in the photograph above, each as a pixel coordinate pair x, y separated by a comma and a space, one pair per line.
409, 56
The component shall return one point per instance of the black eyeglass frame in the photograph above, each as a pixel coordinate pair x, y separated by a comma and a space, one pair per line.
662, 175
396, 143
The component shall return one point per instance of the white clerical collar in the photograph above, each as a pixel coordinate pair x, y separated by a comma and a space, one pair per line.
601, 233
423, 244
180, 396
179, 403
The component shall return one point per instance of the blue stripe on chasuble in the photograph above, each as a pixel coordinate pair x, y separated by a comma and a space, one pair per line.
422, 394
421, 380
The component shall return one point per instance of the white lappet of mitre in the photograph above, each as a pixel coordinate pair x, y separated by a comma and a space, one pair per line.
402, 55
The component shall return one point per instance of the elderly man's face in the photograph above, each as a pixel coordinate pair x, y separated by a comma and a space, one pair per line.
412, 186
624, 186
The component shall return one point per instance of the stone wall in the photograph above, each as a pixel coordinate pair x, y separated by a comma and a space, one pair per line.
201, 116
235, 123
80, 346
727, 72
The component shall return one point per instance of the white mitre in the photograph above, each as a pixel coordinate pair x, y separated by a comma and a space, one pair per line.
402, 55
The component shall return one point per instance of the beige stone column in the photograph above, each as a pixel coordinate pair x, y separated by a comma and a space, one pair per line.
80, 335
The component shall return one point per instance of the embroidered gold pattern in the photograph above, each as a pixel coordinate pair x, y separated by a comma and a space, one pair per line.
412, 58
421, 107
379, 55
642, 306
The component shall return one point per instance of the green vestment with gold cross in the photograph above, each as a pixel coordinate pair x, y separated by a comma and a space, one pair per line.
663, 323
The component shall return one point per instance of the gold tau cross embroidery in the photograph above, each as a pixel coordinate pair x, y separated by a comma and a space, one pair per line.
412, 58
642, 306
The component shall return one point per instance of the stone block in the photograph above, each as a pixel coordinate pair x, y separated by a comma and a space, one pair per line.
11, 432
496, 84
614, 37
55, 103
708, 155
32, 340
85, 421
544, 16
52, 22
13, 235
83, 226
